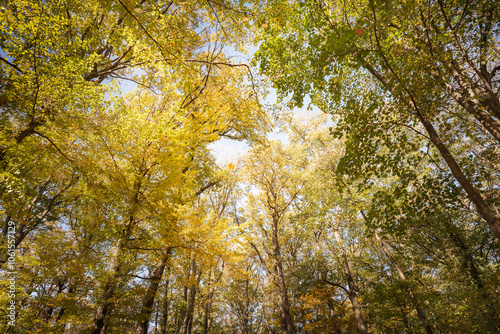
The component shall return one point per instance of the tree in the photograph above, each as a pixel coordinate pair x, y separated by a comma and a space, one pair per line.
269, 171
76, 155
397, 50
368, 216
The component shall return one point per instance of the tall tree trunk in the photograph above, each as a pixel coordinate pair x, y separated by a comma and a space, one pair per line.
181, 311
403, 316
467, 93
116, 263
208, 304
402, 276
279, 279
470, 94
468, 264
482, 208
142, 323
245, 321
187, 321
109, 288
166, 302
352, 294
353, 297
472, 105
208, 301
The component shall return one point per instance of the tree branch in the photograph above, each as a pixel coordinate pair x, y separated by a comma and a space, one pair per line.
12, 65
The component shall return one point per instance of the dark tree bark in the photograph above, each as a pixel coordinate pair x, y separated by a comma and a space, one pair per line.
279, 280
352, 292
165, 307
109, 289
187, 319
142, 323
402, 276
208, 304
277, 198
469, 266
482, 208
116, 263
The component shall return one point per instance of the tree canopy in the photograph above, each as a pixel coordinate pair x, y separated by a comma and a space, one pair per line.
378, 212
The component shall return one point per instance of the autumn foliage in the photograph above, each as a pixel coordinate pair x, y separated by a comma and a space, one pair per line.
376, 212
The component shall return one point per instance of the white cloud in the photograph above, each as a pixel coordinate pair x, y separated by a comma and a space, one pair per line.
227, 150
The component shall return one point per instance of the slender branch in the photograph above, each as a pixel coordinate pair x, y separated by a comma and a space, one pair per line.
12, 65
337, 285
144, 29
113, 158
218, 20
217, 63
227, 7
53, 144
463, 51
205, 187
260, 257
132, 80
